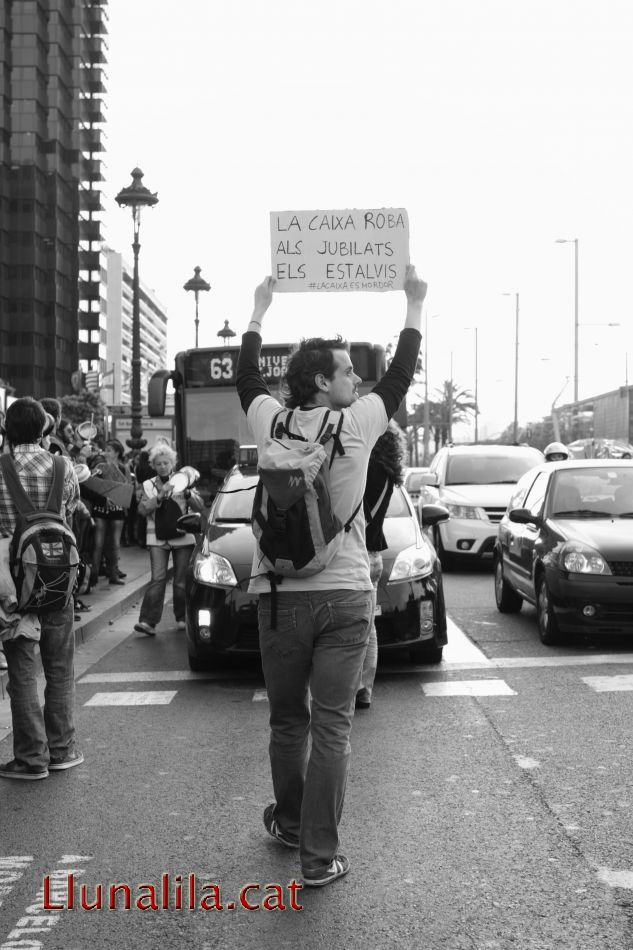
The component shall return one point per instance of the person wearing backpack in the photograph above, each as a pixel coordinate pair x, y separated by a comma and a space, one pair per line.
314, 627
43, 740
385, 470
162, 506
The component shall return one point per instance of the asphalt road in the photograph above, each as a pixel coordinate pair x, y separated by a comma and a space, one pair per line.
488, 805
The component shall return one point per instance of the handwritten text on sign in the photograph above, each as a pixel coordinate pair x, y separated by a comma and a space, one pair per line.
339, 250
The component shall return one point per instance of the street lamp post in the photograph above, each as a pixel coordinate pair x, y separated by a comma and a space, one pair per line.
136, 196
515, 425
196, 283
427, 407
476, 329
574, 241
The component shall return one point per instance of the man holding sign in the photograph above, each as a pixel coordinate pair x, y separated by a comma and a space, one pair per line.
314, 629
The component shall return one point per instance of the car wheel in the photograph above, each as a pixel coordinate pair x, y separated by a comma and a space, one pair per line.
508, 601
419, 653
447, 559
198, 665
547, 625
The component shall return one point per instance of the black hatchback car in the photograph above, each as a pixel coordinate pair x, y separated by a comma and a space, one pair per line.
565, 545
222, 615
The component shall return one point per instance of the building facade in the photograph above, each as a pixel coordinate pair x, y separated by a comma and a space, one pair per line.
116, 368
52, 54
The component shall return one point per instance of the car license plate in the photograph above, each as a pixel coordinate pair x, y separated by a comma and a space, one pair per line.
378, 611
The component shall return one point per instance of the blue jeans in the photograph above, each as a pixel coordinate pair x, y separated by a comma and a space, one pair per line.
39, 735
316, 653
106, 540
370, 663
154, 599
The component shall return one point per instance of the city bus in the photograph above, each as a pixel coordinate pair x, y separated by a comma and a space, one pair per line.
209, 423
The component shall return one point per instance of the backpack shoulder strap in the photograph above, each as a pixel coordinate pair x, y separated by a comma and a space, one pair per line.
337, 448
278, 424
19, 497
372, 513
56, 494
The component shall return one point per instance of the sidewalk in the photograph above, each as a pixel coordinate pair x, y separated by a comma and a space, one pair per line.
108, 602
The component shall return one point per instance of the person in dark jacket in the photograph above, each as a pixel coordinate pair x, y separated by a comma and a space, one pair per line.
385, 469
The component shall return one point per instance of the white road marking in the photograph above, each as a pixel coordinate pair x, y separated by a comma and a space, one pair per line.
613, 878
525, 762
260, 696
154, 698
485, 687
460, 649
149, 676
12, 867
610, 684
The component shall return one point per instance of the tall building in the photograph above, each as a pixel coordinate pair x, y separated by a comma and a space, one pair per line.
52, 54
117, 279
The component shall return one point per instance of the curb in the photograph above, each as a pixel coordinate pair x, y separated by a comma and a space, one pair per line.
86, 629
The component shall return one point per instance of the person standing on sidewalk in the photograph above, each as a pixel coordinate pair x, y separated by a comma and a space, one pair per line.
158, 492
43, 741
312, 655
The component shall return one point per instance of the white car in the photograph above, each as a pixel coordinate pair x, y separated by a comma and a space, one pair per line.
474, 482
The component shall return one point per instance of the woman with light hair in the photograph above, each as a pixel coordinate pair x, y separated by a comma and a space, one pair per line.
163, 503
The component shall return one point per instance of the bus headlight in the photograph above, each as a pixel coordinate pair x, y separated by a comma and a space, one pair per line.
410, 564
214, 569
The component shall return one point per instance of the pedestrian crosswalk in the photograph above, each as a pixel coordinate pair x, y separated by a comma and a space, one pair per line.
481, 686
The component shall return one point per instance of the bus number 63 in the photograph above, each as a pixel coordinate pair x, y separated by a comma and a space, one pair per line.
221, 367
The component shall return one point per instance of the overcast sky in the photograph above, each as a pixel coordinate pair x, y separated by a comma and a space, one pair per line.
499, 125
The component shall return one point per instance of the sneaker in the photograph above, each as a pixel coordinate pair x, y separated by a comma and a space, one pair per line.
181, 625
26, 773
361, 700
338, 867
143, 627
65, 761
273, 829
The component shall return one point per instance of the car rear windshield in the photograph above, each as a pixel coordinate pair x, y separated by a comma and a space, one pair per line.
234, 504
490, 469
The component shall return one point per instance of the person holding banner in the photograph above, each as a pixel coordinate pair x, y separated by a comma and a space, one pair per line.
313, 641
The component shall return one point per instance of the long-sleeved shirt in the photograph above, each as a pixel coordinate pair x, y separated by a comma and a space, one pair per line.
363, 422
35, 471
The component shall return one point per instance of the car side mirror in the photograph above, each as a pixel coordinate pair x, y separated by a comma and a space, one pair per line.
433, 514
429, 478
191, 522
523, 516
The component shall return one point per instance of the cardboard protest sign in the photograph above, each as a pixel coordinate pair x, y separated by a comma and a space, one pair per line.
354, 249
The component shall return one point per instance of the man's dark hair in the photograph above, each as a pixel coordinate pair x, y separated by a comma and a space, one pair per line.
25, 421
54, 407
311, 357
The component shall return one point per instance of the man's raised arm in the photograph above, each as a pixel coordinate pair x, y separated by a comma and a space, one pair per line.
249, 381
393, 386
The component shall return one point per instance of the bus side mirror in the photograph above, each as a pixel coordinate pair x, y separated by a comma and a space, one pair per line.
157, 391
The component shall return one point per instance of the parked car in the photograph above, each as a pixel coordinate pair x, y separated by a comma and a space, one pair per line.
474, 482
566, 546
222, 615
600, 449
413, 482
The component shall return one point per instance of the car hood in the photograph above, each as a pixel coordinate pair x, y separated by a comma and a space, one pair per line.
235, 542
482, 495
612, 537
399, 533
